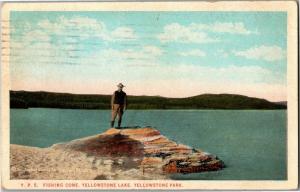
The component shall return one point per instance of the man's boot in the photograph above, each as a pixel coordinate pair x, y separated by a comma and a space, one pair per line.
112, 123
119, 123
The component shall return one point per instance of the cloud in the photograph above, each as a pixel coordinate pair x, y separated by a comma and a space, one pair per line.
85, 27
195, 52
222, 53
35, 36
197, 32
64, 40
152, 50
267, 53
122, 33
184, 34
231, 73
36, 46
218, 27
145, 56
146, 52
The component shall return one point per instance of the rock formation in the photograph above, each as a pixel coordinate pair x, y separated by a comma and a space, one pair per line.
130, 153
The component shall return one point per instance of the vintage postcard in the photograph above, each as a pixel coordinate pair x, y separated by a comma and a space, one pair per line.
149, 95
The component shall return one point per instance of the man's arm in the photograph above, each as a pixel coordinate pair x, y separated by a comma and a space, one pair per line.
112, 100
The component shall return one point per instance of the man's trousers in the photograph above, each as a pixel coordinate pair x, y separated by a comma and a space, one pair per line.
117, 110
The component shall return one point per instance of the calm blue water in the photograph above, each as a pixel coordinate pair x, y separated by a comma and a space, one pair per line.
252, 143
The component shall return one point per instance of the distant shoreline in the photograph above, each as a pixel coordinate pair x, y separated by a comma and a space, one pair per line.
156, 109
42, 99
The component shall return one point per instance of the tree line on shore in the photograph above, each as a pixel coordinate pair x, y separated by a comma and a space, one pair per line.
42, 99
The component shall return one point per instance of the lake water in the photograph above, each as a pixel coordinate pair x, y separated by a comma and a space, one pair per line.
252, 143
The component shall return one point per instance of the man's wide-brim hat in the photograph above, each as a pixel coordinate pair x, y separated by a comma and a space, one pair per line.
120, 85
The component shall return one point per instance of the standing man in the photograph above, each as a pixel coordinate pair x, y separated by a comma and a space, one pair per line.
118, 104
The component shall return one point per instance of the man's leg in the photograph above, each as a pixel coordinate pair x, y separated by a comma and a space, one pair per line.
120, 114
113, 115
112, 123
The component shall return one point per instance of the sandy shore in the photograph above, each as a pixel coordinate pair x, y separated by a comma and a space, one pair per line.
47, 163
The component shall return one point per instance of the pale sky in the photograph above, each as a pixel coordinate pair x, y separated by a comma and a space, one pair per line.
171, 54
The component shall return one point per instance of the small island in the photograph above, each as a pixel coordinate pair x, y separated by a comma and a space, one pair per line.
127, 153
